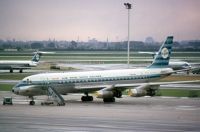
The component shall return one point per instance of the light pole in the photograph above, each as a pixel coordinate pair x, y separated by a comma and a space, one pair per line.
128, 6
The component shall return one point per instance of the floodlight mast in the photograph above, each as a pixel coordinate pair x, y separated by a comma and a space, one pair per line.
128, 6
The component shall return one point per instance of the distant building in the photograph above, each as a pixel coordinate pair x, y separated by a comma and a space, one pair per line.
149, 40
94, 40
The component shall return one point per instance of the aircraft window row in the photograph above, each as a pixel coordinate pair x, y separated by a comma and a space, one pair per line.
93, 80
100, 79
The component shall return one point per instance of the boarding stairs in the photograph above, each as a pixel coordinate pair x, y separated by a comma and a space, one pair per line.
56, 96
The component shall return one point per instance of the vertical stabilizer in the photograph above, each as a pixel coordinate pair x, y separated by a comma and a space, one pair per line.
36, 57
162, 58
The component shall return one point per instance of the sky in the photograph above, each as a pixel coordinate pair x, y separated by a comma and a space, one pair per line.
101, 19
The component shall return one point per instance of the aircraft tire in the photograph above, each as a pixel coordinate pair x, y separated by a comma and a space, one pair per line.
108, 100
151, 92
86, 98
118, 94
32, 102
11, 70
90, 98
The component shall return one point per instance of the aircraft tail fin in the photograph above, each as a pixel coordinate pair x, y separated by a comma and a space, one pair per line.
36, 57
162, 58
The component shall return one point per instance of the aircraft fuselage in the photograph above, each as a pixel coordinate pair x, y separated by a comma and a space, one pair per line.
73, 82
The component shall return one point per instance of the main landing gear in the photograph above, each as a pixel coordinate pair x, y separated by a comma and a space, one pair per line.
11, 70
86, 98
108, 100
151, 92
32, 102
21, 70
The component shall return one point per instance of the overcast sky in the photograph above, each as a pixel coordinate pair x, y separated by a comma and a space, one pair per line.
83, 19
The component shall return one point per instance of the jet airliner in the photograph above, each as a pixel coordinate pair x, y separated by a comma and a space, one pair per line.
106, 84
175, 65
20, 65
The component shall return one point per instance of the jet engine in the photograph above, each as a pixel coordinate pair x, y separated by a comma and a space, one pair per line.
104, 94
108, 94
143, 90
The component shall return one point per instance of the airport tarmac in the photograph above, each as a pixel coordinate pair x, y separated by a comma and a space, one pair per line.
126, 114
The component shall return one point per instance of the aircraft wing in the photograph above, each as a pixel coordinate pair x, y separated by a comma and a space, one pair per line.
156, 83
121, 87
91, 87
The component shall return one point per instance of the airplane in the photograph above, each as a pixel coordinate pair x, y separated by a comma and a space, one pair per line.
175, 65
19, 64
106, 84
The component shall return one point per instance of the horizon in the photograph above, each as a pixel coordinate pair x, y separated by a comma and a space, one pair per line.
54, 40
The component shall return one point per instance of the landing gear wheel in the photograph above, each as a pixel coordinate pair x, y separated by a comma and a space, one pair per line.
86, 98
20, 71
107, 100
11, 70
151, 92
90, 98
58, 104
118, 94
32, 102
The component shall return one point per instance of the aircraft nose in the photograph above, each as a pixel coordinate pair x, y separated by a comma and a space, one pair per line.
15, 90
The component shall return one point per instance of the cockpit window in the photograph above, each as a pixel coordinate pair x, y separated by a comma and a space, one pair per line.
22, 83
28, 81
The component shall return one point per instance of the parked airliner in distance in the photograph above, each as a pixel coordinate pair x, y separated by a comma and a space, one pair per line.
175, 65
21, 64
106, 84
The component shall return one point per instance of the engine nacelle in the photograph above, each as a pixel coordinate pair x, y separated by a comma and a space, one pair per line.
104, 94
136, 92
142, 91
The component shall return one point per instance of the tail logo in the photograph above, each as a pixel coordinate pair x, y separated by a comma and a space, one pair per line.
165, 53
37, 57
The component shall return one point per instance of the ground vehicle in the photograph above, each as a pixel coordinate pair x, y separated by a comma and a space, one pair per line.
7, 100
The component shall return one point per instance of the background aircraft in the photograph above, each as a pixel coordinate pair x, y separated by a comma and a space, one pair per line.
106, 84
175, 65
19, 64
